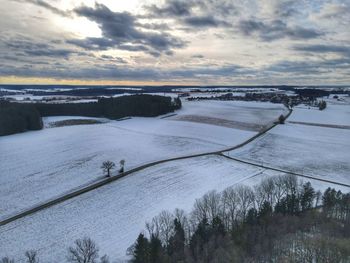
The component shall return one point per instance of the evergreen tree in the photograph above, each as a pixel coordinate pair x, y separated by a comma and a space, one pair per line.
177, 242
307, 196
265, 210
141, 252
156, 251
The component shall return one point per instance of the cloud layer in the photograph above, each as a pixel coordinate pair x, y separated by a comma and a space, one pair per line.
207, 41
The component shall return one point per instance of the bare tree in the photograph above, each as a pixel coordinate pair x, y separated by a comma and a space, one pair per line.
121, 163
107, 166
84, 251
162, 227
31, 256
208, 207
246, 198
104, 259
7, 260
230, 207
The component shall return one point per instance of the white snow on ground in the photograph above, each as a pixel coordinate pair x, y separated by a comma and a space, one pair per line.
310, 150
333, 114
259, 113
313, 150
39, 165
36, 166
113, 215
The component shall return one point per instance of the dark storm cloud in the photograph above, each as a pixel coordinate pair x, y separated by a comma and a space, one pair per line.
113, 59
197, 56
121, 30
45, 5
154, 26
276, 29
119, 73
183, 11
286, 9
308, 67
172, 8
92, 43
32, 48
343, 50
204, 21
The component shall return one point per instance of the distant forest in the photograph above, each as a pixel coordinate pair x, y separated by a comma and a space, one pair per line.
15, 118
20, 117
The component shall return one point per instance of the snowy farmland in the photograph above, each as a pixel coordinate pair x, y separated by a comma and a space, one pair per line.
309, 143
41, 165
333, 115
37, 166
114, 214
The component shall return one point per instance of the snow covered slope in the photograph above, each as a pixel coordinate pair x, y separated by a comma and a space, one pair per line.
113, 215
37, 166
332, 115
312, 142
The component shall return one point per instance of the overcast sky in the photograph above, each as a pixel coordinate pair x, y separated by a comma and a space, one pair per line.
181, 42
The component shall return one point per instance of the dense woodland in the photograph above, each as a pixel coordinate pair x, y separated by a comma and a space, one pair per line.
15, 118
279, 220
20, 117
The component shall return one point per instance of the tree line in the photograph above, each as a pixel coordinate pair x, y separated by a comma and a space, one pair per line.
15, 118
279, 220
20, 117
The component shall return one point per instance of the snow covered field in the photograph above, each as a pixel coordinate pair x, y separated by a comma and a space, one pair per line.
36, 166
236, 113
113, 215
39, 165
311, 150
334, 114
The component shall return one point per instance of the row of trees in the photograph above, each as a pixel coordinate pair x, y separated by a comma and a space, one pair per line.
83, 251
15, 118
142, 105
277, 221
20, 117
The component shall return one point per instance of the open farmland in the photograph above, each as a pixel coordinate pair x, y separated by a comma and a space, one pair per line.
335, 114
37, 166
115, 214
321, 150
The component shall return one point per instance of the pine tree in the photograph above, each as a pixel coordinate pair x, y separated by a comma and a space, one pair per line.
307, 196
177, 242
141, 253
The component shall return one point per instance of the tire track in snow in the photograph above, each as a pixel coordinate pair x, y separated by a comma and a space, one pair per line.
283, 171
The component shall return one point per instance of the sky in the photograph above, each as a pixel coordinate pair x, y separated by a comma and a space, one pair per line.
179, 42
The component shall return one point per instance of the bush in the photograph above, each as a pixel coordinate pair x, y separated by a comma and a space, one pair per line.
322, 105
281, 119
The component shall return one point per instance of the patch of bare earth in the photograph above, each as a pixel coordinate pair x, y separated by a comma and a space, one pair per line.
74, 122
221, 122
